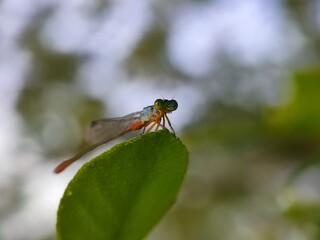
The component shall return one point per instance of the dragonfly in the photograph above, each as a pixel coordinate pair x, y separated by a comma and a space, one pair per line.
104, 130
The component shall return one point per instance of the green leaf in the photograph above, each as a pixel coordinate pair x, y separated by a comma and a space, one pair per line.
124, 192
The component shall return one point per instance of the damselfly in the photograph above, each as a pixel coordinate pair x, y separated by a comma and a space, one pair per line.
104, 130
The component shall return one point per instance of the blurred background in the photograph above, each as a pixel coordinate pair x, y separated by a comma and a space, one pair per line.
245, 73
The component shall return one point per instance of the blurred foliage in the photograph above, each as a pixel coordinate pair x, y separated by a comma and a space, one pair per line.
243, 160
241, 154
149, 57
301, 117
151, 46
51, 100
305, 15
46, 107
297, 124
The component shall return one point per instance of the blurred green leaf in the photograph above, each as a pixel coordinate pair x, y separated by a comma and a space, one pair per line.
124, 192
303, 213
301, 117
151, 45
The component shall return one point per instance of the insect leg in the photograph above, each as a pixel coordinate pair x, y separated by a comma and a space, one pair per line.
164, 123
152, 126
158, 124
169, 123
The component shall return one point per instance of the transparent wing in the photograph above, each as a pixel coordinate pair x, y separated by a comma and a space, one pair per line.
104, 130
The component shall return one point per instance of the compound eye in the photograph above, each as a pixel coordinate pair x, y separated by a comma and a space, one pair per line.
174, 104
159, 104
170, 105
